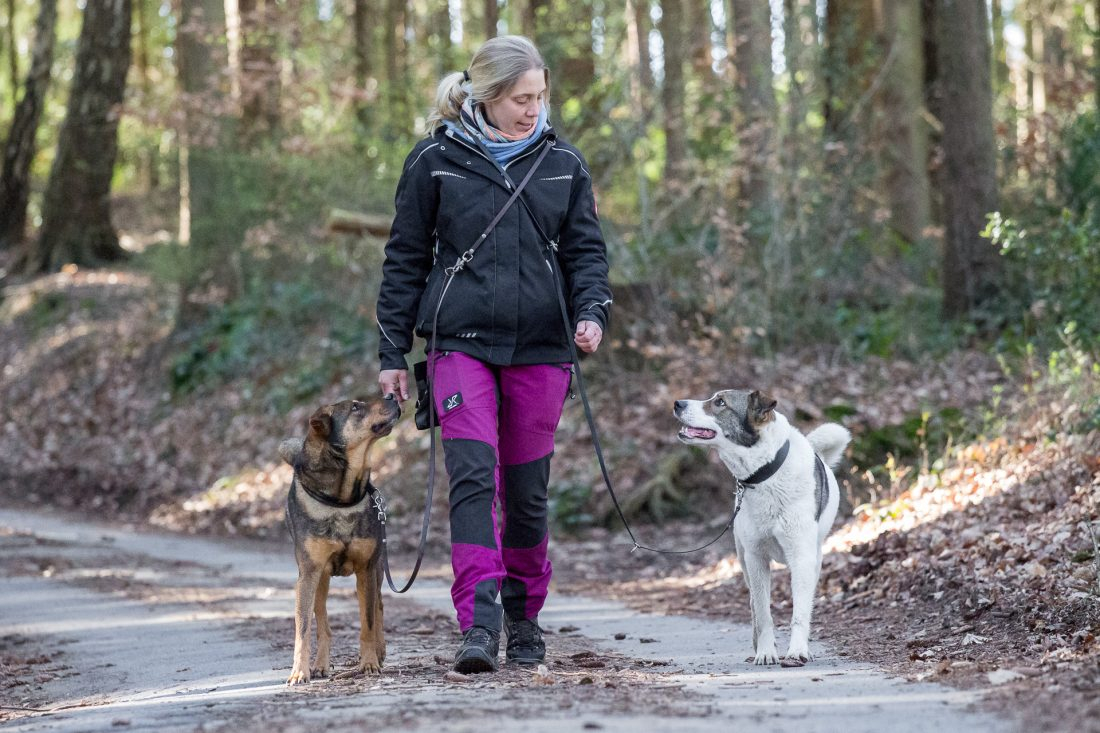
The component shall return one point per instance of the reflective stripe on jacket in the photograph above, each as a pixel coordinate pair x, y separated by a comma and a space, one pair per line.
502, 308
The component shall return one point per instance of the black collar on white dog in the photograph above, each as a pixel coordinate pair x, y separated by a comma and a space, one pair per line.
768, 470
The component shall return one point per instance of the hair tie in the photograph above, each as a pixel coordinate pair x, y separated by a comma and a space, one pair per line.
465, 75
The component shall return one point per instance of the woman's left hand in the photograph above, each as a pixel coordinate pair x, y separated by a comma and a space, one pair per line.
588, 336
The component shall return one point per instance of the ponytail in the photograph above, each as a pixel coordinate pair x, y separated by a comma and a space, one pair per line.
450, 95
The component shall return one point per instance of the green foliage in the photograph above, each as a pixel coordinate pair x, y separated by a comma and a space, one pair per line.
1053, 273
1078, 175
569, 506
916, 439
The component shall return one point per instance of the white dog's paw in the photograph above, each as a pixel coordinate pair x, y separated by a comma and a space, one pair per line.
766, 655
798, 651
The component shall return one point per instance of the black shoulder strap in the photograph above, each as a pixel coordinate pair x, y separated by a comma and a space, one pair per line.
469, 254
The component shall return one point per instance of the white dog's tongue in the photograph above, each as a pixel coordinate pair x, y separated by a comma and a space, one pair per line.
698, 432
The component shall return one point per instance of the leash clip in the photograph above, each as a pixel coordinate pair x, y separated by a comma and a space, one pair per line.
380, 505
461, 262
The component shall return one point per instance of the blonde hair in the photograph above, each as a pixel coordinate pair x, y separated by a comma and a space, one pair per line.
494, 70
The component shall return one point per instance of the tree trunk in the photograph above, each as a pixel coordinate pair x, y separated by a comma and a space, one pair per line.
363, 51
901, 132
394, 46
441, 33
209, 223
490, 18
971, 269
753, 51
672, 90
1096, 55
259, 69
15, 183
849, 60
13, 53
76, 211
641, 24
148, 153
531, 14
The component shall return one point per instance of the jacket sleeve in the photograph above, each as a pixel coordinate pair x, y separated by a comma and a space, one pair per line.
408, 261
583, 255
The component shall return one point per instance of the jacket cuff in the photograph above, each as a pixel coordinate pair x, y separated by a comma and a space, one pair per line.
391, 359
597, 314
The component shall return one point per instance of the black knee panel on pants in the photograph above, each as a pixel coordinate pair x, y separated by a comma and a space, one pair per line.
471, 464
525, 503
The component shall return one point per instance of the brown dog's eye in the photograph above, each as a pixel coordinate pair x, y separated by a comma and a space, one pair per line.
355, 407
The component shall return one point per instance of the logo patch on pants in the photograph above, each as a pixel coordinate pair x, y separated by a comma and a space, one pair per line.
452, 402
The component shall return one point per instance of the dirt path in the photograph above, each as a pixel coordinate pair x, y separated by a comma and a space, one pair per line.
110, 628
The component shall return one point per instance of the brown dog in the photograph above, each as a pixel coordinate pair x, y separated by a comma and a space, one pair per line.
335, 526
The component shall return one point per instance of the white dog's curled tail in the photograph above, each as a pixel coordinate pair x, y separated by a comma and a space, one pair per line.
830, 440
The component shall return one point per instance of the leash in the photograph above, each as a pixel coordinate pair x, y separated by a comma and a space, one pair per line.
449, 272
740, 485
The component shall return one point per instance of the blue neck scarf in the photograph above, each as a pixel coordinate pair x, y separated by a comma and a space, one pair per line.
473, 125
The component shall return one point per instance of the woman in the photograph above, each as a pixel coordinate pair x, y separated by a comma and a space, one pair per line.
502, 360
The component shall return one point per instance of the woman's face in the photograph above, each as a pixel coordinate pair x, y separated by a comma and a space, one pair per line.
517, 111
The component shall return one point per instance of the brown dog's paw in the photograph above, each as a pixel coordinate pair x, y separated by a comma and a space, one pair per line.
319, 671
370, 664
298, 676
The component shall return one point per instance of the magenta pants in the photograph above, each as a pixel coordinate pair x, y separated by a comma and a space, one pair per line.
498, 426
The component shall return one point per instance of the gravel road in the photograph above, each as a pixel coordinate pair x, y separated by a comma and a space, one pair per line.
106, 627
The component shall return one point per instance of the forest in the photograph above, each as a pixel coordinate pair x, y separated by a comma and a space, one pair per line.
884, 212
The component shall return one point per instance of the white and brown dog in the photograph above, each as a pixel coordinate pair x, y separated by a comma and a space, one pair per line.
789, 501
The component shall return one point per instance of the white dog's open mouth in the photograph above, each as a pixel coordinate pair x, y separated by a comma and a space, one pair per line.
701, 433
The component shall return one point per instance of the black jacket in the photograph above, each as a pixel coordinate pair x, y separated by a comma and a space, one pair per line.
501, 308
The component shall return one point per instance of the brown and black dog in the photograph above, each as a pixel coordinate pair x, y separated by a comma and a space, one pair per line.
335, 526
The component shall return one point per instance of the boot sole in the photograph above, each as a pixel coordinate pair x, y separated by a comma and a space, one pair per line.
475, 663
526, 661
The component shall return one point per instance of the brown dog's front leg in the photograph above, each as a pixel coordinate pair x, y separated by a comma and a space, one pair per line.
372, 648
304, 592
324, 633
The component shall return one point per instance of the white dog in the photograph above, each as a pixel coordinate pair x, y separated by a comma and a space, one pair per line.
789, 502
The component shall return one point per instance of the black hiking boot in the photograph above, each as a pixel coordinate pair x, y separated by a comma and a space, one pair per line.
525, 644
478, 652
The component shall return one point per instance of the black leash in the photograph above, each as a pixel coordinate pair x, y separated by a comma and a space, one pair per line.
740, 486
450, 272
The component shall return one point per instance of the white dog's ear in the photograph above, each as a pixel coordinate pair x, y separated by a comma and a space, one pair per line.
290, 449
761, 407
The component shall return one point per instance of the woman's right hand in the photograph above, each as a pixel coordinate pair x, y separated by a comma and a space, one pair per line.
395, 382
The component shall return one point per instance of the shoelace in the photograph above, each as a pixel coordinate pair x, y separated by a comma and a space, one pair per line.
525, 633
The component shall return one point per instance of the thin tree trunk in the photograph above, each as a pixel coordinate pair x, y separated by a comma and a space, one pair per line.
15, 184
752, 22
209, 223
1096, 54
490, 18
394, 46
901, 132
444, 48
672, 90
363, 47
13, 54
148, 153
972, 270
259, 70
643, 24
76, 211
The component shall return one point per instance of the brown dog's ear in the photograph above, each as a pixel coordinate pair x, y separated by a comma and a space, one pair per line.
321, 423
761, 407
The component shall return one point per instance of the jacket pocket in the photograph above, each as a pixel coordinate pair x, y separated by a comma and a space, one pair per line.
466, 206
